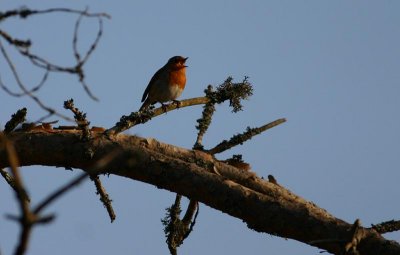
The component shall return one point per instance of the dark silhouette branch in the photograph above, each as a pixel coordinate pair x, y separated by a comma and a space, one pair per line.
23, 47
16, 119
25, 13
23, 87
59, 192
27, 218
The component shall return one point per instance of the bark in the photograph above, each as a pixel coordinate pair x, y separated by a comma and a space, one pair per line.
262, 205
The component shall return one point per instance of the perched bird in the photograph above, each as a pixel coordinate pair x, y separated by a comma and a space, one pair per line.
167, 83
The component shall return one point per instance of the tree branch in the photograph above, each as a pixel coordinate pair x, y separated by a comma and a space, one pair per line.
136, 118
264, 206
241, 138
387, 226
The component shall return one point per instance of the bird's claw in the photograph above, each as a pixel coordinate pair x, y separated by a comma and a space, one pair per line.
178, 103
164, 107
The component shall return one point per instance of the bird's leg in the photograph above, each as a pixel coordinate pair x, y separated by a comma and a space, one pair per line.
164, 107
177, 102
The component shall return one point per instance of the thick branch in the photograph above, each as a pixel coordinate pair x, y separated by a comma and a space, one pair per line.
264, 206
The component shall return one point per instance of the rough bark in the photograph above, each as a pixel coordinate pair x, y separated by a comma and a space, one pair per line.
262, 205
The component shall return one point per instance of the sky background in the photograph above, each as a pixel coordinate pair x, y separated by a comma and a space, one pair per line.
331, 68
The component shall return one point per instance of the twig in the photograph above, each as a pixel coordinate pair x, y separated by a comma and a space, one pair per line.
24, 46
241, 138
357, 233
136, 118
10, 180
104, 197
80, 119
59, 192
205, 120
191, 216
272, 179
13, 41
33, 90
387, 226
175, 229
22, 86
15, 120
237, 161
24, 13
96, 168
27, 218
83, 124
80, 62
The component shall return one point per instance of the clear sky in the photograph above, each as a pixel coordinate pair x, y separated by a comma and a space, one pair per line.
330, 67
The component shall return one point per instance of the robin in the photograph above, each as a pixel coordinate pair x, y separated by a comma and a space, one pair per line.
167, 83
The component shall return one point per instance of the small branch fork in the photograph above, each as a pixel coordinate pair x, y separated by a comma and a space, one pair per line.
177, 230
23, 48
80, 119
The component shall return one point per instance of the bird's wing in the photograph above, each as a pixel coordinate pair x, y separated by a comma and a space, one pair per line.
155, 77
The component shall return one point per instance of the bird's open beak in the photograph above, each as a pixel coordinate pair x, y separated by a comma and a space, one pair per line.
185, 61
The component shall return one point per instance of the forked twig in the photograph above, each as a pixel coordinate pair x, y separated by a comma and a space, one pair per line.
24, 46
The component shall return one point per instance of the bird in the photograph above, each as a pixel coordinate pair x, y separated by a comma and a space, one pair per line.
166, 84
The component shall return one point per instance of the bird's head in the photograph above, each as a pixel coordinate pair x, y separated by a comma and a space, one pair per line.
177, 62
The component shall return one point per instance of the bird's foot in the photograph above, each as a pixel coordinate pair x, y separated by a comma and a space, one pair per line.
164, 107
177, 102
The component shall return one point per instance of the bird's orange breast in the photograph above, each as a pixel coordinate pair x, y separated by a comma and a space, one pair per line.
178, 77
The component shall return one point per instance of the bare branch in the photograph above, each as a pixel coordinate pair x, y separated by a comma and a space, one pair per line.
387, 226
205, 120
241, 138
33, 90
59, 192
22, 86
104, 197
136, 118
27, 218
24, 13
16, 119
80, 119
357, 233
94, 169
13, 41
10, 180
23, 47
262, 205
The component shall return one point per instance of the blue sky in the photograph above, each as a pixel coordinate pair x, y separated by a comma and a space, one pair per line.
330, 67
